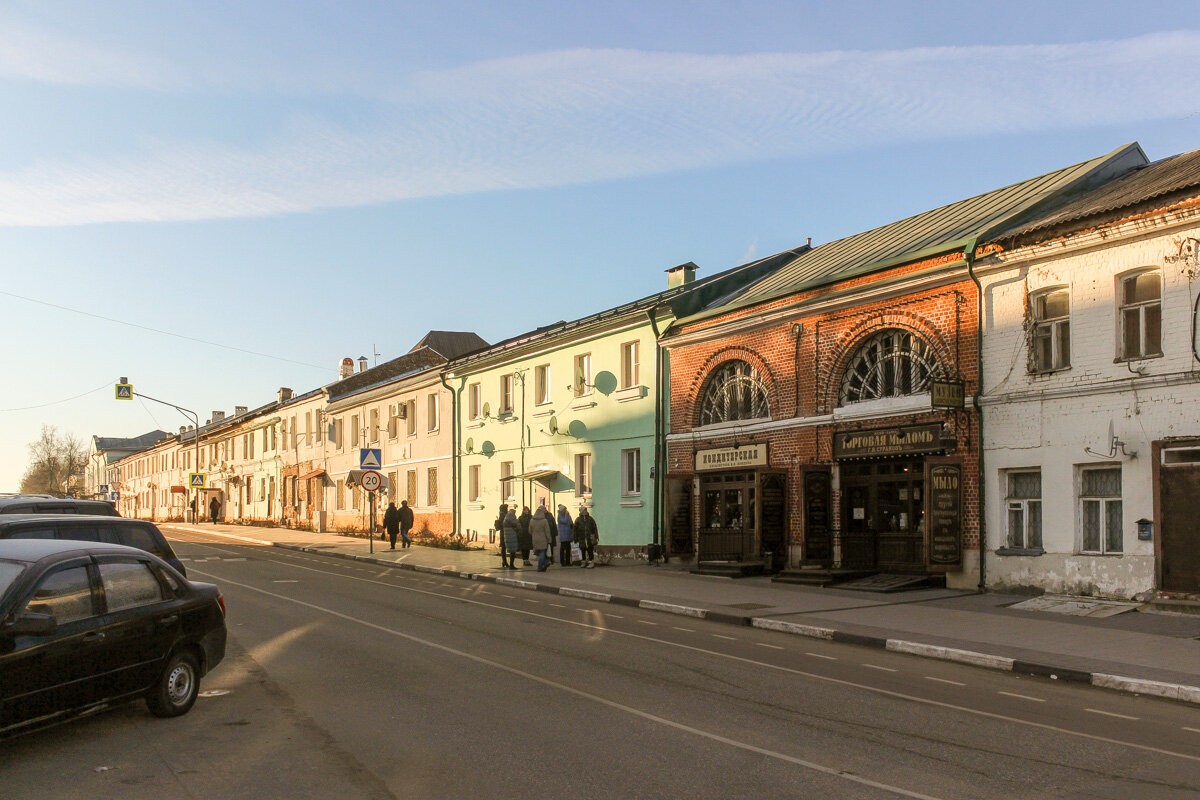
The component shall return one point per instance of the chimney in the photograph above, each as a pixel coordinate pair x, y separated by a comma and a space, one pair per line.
684, 273
362, 363
218, 416
346, 368
285, 394
183, 428
239, 410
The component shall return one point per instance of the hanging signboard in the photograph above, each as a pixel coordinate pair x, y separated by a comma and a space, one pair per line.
947, 394
750, 455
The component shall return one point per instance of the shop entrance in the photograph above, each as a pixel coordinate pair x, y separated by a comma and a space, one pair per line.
883, 515
727, 516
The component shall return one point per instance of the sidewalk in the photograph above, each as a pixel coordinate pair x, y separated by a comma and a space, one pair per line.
1143, 653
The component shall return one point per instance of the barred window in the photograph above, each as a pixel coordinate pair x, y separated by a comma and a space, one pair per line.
891, 363
735, 391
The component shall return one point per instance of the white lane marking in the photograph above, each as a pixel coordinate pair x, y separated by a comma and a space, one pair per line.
616, 616
1025, 697
881, 669
685, 630
1193, 730
944, 680
286, 580
481, 591
772, 646
558, 605
646, 622
531, 600
1109, 713
509, 596
833, 772
744, 660
730, 638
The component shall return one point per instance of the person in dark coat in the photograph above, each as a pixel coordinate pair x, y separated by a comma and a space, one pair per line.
391, 523
499, 527
541, 532
524, 539
406, 523
566, 530
214, 508
511, 532
587, 537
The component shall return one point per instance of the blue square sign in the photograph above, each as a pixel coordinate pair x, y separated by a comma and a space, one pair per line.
370, 458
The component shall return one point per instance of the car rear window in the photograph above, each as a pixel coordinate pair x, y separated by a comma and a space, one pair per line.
33, 533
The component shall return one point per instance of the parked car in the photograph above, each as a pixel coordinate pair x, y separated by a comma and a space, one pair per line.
79, 527
48, 504
84, 626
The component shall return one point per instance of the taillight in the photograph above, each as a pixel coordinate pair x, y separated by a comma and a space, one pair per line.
221, 603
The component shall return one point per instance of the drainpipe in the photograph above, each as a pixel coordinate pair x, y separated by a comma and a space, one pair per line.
454, 459
969, 257
659, 473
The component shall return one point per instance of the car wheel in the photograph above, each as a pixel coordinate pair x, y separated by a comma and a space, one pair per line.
177, 687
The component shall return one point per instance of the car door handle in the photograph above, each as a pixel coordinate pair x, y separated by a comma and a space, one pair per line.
171, 620
95, 636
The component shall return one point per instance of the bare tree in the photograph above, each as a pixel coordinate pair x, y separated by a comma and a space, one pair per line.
54, 460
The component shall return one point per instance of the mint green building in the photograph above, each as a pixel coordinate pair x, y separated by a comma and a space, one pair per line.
572, 413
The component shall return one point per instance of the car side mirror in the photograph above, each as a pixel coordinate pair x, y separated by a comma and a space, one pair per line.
32, 623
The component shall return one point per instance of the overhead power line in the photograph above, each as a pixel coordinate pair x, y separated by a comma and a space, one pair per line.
159, 331
107, 385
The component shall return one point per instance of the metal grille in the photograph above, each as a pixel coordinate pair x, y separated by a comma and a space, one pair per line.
735, 391
892, 363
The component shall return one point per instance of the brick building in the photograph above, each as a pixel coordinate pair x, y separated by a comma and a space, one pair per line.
823, 421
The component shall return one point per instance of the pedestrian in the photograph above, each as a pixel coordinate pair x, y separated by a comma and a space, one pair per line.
406, 523
214, 508
193, 518
525, 541
566, 530
512, 534
553, 528
391, 523
587, 537
542, 536
498, 525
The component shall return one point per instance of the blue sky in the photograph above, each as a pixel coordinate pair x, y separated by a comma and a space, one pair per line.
294, 182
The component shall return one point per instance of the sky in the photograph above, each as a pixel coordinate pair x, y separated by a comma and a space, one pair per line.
219, 199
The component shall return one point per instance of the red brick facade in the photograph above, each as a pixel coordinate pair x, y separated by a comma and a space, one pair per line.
801, 354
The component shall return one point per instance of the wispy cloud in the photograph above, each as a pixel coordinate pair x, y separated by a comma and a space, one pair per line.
575, 116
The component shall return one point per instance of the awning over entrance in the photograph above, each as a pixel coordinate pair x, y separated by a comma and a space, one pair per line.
179, 490
314, 474
543, 474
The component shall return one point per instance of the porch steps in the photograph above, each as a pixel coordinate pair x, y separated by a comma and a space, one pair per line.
728, 569
819, 576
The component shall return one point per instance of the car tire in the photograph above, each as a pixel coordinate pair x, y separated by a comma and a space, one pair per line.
177, 687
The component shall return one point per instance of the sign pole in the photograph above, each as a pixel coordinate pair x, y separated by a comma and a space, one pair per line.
371, 527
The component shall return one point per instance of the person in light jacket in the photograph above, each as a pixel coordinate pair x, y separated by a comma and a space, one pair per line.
541, 533
566, 530
587, 537
511, 531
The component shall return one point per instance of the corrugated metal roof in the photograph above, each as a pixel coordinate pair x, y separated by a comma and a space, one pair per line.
940, 230
1141, 185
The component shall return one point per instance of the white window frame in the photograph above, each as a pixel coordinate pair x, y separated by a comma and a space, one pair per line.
581, 375
631, 472
630, 367
410, 427
583, 474
506, 393
433, 408
474, 404
507, 484
542, 392
354, 432
474, 492
1146, 349
374, 425
1056, 329
1024, 538
1103, 503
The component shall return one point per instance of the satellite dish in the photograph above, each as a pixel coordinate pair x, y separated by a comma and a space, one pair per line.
554, 425
487, 410
470, 445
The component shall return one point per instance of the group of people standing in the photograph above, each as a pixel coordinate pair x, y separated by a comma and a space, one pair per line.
539, 531
398, 521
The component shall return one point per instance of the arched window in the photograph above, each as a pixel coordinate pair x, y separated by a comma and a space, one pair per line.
892, 363
735, 391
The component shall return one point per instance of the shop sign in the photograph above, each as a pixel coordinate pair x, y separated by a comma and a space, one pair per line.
947, 394
913, 439
945, 515
751, 455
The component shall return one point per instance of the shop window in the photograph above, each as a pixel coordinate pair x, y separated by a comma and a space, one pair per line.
735, 391
1024, 504
1100, 509
1051, 346
1141, 315
891, 363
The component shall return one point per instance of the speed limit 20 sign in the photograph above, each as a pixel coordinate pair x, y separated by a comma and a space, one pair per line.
371, 480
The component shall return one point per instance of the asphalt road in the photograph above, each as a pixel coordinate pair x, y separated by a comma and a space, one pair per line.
353, 680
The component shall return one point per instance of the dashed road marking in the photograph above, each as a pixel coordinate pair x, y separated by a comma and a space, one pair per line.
881, 669
772, 646
685, 630
944, 680
1193, 730
730, 638
530, 600
1110, 713
616, 616
819, 655
1026, 697
647, 622
558, 605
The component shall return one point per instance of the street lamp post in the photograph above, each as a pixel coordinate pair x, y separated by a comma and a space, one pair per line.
182, 410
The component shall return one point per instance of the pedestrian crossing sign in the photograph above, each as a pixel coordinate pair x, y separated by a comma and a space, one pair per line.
196, 480
124, 391
370, 458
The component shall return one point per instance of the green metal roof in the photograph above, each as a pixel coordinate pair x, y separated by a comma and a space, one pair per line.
939, 231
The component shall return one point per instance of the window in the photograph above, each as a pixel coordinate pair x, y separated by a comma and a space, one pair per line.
631, 472
411, 418
507, 484
1024, 504
320, 421
356, 493
354, 431
341, 495
393, 423
433, 421
391, 487
629, 365
891, 363
473, 493
1051, 331
410, 487
374, 425
338, 433
431, 490
735, 391
129, 584
583, 475
1141, 315
474, 405
1100, 509
583, 374
541, 384
307, 427
66, 594
506, 394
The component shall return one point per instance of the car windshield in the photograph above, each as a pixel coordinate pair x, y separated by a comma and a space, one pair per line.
9, 570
